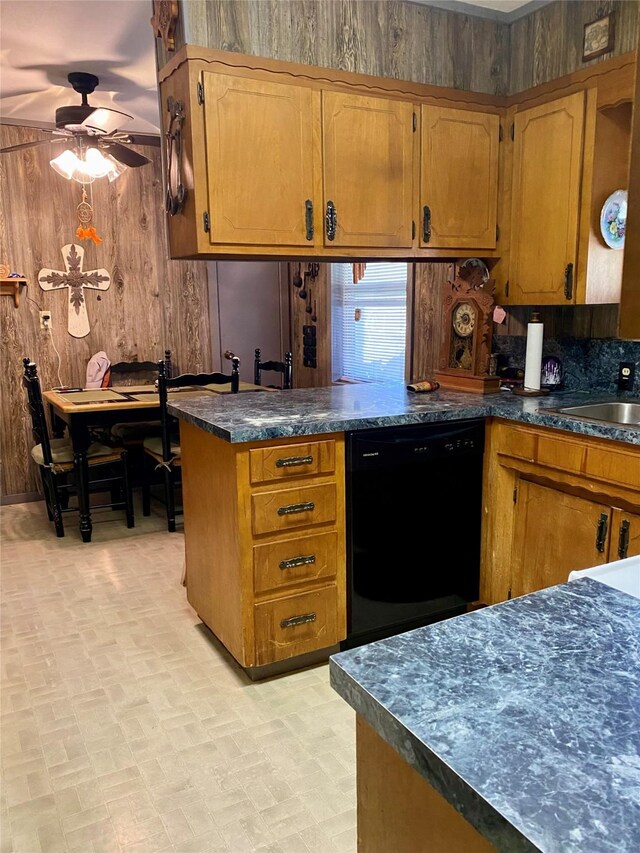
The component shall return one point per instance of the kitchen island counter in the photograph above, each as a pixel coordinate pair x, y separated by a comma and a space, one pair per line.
524, 716
340, 408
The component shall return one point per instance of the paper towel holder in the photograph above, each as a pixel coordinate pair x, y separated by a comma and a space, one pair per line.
532, 392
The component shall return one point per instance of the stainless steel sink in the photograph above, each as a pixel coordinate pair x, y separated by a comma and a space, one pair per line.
613, 413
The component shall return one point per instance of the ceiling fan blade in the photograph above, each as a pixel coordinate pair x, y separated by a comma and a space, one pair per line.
28, 145
104, 120
124, 155
141, 139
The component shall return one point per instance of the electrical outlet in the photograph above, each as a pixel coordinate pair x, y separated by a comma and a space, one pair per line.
45, 320
626, 375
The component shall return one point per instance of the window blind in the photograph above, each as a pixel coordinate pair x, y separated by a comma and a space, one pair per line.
371, 348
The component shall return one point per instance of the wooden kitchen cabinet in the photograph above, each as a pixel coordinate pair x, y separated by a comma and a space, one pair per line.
282, 160
265, 543
259, 142
553, 501
367, 170
555, 532
547, 175
458, 201
625, 535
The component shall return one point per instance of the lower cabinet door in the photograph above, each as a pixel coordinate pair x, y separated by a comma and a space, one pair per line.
625, 535
555, 532
294, 626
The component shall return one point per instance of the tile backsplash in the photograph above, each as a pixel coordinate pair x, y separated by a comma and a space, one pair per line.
588, 364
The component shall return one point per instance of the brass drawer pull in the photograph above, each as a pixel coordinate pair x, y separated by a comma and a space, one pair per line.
297, 561
291, 509
291, 461
298, 620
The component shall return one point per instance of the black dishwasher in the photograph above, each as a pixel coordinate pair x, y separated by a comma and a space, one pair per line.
414, 510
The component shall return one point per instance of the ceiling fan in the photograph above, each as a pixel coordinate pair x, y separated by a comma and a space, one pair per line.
90, 128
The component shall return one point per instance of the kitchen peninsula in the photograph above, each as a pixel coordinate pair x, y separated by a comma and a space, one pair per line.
264, 500
522, 718
314, 411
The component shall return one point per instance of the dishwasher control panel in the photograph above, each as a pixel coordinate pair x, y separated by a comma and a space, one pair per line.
414, 444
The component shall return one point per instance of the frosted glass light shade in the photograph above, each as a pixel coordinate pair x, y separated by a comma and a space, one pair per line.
86, 168
94, 164
65, 164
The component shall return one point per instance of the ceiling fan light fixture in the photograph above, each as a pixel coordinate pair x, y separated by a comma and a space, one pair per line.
94, 164
84, 169
115, 168
66, 164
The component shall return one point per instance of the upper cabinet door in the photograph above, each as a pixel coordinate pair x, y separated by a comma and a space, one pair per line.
367, 171
259, 142
458, 178
547, 171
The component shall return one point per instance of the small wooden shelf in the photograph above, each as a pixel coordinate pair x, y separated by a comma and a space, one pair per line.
11, 287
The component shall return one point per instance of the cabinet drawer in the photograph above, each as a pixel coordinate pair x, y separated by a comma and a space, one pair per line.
293, 460
614, 465
518, 443
558, 453
289, 561
297, 625
286, 509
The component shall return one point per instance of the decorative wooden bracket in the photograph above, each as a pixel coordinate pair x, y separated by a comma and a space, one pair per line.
11, 287
165, 18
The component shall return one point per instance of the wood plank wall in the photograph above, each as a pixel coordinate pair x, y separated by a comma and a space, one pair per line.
547, 43
320, 291
389, 38
152, 303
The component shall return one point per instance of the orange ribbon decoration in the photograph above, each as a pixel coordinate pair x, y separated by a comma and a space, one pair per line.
88, 234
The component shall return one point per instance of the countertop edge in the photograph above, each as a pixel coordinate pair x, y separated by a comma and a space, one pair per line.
468, 802
550, 419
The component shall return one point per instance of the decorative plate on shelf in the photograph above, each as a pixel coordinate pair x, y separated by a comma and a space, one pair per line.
613, 219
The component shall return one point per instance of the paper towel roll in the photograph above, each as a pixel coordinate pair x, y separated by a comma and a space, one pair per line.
533, 358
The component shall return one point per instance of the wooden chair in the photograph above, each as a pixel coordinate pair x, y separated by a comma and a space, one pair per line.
54, 457
129, 370
132, 435
285, 367
165, 449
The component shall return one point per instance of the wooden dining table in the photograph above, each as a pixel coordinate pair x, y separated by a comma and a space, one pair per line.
80, 410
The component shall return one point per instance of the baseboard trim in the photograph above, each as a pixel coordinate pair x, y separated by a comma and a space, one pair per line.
26, 497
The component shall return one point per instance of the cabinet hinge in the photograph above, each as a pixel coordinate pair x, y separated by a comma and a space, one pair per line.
506, 287
500, 133
513, 131
205, 221
509, 594
515, 495
413, 230
415, 122
497, 233
200, 93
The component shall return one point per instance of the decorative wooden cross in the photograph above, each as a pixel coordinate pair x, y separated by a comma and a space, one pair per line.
76, 280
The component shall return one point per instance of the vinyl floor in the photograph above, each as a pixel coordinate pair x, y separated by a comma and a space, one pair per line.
126, 726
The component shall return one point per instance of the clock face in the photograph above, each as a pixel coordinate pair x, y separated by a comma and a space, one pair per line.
464, 319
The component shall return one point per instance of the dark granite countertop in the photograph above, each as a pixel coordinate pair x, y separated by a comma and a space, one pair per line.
257, 416
524, 715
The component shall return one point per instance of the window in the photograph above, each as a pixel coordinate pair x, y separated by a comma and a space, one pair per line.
369, 322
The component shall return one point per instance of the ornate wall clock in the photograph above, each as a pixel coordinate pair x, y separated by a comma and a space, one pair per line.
468, 327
